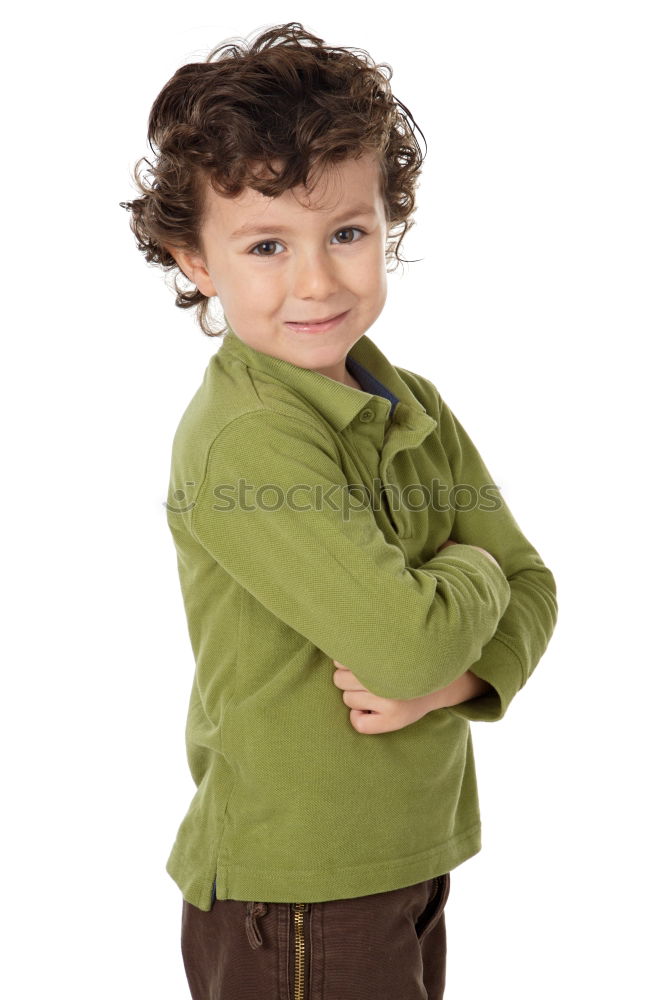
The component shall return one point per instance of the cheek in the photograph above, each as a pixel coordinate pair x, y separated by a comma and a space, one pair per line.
248, 288
368, 277
375, 289
381, 289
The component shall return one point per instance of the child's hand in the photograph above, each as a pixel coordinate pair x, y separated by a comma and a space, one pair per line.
371, 714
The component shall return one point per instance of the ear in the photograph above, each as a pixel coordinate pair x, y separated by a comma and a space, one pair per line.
194, 267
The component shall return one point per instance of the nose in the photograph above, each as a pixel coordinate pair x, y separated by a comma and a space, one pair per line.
314, 276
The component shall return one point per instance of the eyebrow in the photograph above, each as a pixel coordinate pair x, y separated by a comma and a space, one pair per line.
254, 229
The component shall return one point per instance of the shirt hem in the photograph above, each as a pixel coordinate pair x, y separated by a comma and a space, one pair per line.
241, 883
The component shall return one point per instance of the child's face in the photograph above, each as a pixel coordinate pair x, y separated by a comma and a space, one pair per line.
303, 262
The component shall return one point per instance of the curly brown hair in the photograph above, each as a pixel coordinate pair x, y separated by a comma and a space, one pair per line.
223, 121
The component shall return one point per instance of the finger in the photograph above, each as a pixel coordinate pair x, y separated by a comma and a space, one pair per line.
341, 680
369, 723
347, 681
362, 700
357, 720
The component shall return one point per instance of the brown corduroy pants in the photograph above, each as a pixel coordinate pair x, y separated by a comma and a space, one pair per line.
387, 946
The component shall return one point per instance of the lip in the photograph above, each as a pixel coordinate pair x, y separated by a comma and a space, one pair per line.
328, 324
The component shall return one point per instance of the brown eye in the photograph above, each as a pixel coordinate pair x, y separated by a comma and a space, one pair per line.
264, 243
349, 229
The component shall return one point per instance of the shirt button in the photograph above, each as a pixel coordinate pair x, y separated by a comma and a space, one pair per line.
366, 416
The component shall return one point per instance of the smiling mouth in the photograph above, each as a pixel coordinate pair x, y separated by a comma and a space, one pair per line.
313, 322
317, 326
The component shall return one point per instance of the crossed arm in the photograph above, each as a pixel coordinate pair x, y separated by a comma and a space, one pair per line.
371, 714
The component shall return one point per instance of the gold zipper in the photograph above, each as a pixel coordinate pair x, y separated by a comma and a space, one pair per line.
298, 978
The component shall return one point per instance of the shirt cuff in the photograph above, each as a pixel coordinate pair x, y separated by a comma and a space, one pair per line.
501, 668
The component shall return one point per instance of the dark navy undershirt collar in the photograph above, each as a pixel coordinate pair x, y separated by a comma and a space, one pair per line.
369, 382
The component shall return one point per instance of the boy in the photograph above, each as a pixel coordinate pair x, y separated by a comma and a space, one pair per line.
356, 589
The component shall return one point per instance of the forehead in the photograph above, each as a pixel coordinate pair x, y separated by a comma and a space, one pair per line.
349, 184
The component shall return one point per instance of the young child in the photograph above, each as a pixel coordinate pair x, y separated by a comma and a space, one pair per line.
356, 589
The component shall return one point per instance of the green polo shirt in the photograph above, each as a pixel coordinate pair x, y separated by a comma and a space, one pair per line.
306, 515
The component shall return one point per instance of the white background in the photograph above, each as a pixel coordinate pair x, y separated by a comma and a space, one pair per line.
534, 305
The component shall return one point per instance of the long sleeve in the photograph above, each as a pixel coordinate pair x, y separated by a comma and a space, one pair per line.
525, 628
301, 543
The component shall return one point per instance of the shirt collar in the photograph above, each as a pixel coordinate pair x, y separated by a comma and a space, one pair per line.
339, 403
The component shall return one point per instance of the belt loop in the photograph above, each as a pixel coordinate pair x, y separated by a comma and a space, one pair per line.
253, 934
